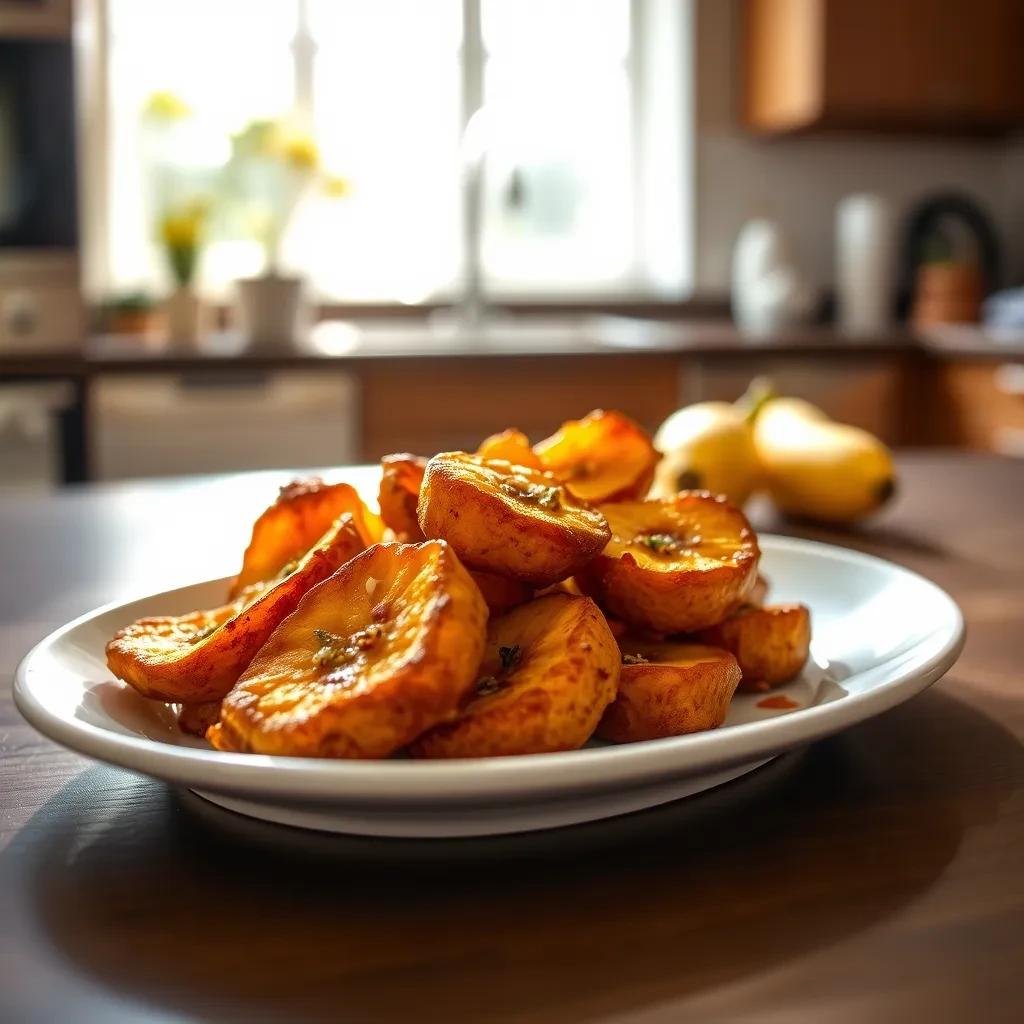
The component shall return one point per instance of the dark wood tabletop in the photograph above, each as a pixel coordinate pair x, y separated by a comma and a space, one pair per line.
876, 876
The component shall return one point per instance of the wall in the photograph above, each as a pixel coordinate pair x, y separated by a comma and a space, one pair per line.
800, 180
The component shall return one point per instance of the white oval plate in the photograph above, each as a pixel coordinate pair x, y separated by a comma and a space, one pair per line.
880, 635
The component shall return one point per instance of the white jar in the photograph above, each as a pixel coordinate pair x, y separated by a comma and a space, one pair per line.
865, 264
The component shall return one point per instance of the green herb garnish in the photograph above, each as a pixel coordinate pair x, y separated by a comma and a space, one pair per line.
548, 498
657, 542
509, 657
336, 651
486, 686
539, 494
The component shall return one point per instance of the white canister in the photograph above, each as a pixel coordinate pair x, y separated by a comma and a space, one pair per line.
273, 311
769, 292
865, 264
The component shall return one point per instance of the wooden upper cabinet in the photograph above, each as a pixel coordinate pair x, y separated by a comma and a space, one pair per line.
932, 65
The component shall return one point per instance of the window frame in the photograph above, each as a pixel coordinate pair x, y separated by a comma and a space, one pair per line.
662, 58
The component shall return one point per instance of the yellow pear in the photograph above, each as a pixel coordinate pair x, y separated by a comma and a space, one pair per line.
815, 467
709, 447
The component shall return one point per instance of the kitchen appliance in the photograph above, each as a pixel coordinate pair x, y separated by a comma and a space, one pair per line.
40, 298
174, 425
30, 445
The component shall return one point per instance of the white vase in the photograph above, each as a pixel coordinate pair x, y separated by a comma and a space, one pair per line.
273, 311
184, 317
769, 292
865, 264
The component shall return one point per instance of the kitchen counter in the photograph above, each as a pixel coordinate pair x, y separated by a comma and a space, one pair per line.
524, 337
425, 385
873, 877
345, 342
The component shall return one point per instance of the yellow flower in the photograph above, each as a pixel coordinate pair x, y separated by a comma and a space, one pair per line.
166, 106
182, 229
257, 138
336, 186
301, 152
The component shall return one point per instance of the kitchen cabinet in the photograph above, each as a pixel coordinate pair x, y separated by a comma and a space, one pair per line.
862, 390
426, 406
978, 405
176, 424
932, 65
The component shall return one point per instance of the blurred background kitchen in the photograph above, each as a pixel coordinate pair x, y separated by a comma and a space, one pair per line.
239, 235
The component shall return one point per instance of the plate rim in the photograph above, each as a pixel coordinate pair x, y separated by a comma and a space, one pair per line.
469, 779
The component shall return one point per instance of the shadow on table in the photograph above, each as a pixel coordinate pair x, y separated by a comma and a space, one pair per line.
164, 898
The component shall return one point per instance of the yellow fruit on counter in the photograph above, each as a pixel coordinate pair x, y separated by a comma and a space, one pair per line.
709, 447
815, 467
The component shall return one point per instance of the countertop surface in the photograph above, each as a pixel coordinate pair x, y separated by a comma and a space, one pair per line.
873, 877
352, 344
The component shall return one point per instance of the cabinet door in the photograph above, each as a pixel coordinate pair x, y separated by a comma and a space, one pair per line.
980, 405
452, 404
922, 62
884, 64
863, 391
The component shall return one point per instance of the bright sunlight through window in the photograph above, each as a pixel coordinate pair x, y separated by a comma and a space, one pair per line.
577, 139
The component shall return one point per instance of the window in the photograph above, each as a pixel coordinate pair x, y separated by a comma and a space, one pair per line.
581, 145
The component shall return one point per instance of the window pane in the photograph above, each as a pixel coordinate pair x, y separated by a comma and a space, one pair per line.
230, 61
387, 106
562, 31
559, 164
560, 161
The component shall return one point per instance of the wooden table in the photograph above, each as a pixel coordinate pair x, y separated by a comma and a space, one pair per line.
875, 877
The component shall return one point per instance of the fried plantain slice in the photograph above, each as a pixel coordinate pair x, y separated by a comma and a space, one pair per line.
550, 669
301, 515
384, 649
198, 657
510, 520
500, 593
603, 457
771, 644
195, 719
512, 446
674, 565
400, 482
668, 689
758, 592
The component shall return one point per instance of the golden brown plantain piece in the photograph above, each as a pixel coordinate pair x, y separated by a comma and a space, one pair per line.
500, 593
401, 478
674, 565
771, 644
198, 657
550, 669
510, 520
195, 719
668, 689
301, 515
603, 457
758, 592
511, 446
384, 649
